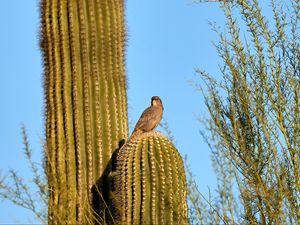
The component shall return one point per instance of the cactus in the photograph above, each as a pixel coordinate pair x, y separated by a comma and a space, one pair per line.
86, 118
82, 42
150, 182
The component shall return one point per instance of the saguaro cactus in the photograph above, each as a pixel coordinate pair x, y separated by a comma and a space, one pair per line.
85, 98
150, 182
86, 118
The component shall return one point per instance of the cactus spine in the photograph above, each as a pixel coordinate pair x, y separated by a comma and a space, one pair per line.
82, 42
150, 182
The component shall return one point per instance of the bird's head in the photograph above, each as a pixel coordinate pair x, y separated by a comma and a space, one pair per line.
156, 101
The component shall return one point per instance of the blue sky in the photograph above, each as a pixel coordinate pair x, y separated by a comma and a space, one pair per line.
167, 40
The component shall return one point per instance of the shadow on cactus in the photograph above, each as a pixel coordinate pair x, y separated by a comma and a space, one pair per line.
102, 202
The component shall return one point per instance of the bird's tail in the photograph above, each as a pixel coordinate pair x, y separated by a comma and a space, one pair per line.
135, 133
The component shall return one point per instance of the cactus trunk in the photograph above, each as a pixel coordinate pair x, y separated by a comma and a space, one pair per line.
85, 101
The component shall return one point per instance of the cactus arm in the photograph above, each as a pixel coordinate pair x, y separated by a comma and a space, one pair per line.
150, 182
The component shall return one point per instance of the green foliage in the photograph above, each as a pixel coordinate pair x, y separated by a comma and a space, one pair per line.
150, 182
255, 113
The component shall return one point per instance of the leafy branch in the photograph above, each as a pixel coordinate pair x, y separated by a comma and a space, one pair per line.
20, 192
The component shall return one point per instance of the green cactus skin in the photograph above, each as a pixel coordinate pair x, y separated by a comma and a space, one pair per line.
82, 42
150, 182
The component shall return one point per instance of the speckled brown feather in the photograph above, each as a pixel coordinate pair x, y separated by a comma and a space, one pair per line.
150, 118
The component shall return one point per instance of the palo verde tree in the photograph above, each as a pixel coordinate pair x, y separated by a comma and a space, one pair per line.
255, 117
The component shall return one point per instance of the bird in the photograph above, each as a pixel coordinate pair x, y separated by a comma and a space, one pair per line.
150, 118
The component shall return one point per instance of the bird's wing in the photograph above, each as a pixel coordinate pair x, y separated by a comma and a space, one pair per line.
147, 115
